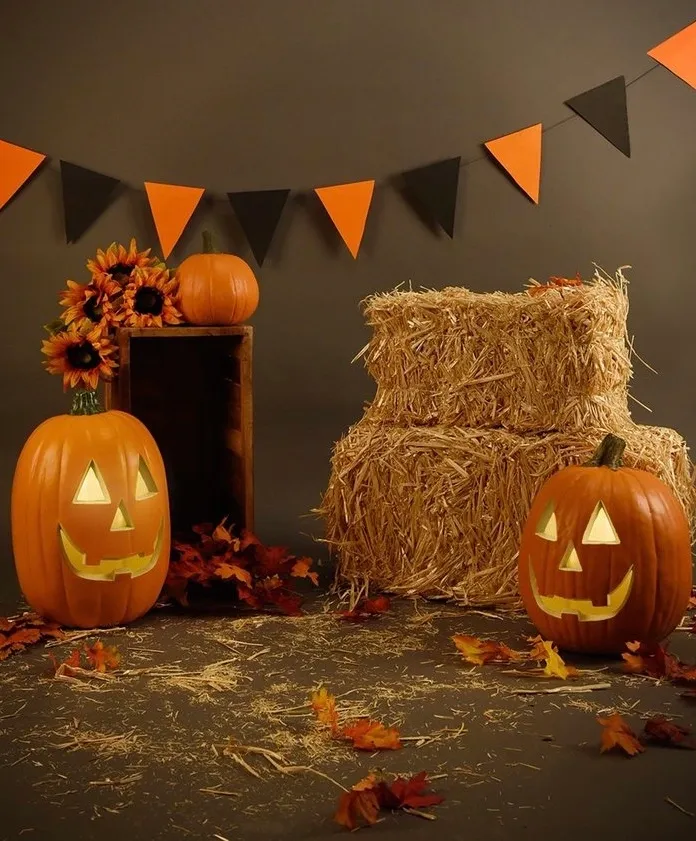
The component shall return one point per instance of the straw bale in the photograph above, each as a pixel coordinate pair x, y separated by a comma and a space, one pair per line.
439, 511
560, 360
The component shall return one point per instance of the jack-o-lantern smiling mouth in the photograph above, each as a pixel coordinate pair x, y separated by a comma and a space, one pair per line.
584, 609
109, 568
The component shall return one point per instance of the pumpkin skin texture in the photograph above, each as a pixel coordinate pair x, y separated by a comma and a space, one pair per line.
605, 556
90, 519
216, 289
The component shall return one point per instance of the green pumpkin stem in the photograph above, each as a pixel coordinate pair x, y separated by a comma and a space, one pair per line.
208, 247
609, 453
85, 402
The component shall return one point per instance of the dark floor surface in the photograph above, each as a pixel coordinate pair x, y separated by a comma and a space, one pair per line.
127, 758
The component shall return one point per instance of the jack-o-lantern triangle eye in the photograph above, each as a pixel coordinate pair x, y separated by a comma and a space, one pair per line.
92, 488
546, 527
600, 529
145, 486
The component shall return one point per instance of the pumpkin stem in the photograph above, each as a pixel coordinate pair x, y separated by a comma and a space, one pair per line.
85, 402
208, 247
609, 453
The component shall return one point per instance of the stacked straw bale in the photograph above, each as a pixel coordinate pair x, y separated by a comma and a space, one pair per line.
480, 398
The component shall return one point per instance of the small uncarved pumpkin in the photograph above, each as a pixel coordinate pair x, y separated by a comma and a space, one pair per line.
90, 517
605, 557
215, 288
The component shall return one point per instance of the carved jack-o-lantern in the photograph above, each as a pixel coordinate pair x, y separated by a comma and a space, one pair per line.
90, 517
605, 556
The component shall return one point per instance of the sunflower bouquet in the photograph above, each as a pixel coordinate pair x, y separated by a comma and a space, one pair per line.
127, 288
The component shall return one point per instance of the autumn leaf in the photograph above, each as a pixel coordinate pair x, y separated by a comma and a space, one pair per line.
72, 661
25, 630
555, 283
409, 793
618, 734
220, 532
226, 570
554, 665
666, 732
479, 652
324, 706
366, 734
301, 569
650, 659
103, 657
360, 805
366, 609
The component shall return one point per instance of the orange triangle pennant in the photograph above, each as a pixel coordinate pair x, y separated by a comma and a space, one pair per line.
16, 165
678, 54
172, 206
519, 154
348, 206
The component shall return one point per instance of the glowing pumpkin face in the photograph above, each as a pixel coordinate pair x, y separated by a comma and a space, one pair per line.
90, 519
605, 556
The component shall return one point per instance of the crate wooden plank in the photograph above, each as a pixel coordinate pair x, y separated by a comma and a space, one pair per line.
192, 388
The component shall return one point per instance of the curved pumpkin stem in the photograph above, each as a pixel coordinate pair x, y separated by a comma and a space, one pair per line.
609, 453
85, 402
208, 247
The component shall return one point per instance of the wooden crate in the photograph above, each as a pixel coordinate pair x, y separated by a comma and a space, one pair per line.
192, 388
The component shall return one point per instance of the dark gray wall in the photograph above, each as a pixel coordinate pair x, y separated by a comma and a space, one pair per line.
246, 94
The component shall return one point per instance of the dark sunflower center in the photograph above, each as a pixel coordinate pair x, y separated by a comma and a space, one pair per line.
148, 301
120, 271
84, 356
93, 309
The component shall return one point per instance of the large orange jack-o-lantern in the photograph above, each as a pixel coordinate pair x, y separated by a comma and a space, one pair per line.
90, 517
605, 556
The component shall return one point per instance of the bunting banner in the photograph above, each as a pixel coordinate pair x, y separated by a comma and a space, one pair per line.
17, 164
519, 154
604, 108
172, 206
432, 190
348, 206
86, 195
678, 54
258, 213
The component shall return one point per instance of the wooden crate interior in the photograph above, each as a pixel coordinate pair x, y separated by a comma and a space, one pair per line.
188, 392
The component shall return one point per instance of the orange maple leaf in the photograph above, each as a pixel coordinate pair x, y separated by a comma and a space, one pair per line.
220, 532
650, 659
372, 735
366, 609
359, 805
555, 666
479, 652
301, 569
226, 570
324, 706
103, 657
410, 793
617, 734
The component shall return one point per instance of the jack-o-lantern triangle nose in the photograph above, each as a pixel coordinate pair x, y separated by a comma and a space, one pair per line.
570, 561
121, 521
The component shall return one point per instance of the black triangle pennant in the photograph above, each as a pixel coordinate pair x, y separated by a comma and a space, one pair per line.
604, 108
432, 189
86, 195
258, 212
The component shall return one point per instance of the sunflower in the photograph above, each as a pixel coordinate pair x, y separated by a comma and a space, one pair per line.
118, 263
149, 300
82, 357
90, 304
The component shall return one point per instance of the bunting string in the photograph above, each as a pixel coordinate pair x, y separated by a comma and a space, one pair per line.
431, 189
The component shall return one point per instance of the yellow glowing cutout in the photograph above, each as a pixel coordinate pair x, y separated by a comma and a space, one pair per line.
108, 569
92, 489
546, 527
600, 529
570, 561
584, 609
145, 486
121, 521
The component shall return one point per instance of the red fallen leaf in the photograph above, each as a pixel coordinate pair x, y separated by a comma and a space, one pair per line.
25, 630
366, 609
372, 735
301, 569
688, 694
617, 734
666, 732
650, 659
360, 805
555, 283
479, 652
72, 661
409, 792
103, 657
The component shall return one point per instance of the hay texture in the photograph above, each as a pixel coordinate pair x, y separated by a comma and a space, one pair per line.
559, 360
439, 511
